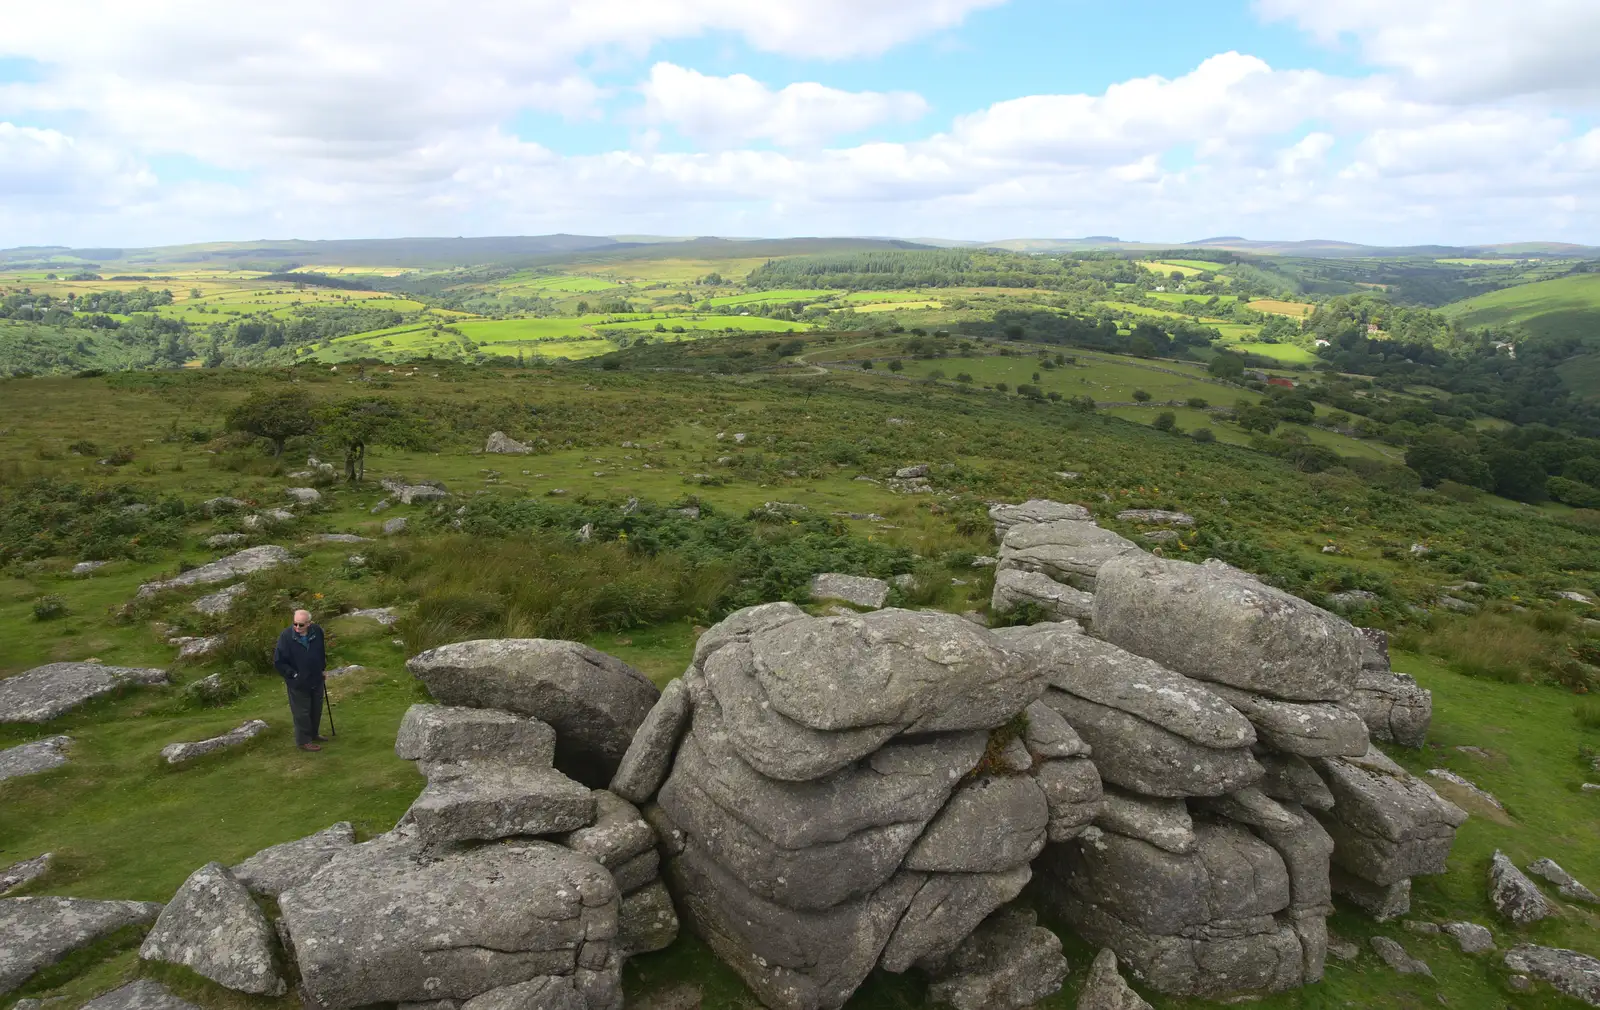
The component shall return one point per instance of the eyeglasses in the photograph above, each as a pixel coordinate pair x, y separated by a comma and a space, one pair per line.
302, 624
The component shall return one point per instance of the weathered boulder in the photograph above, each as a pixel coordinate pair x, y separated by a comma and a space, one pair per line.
411, 493
1471, 937
197, 646
857, 589
24, 872
225, 539
499, 441
1014, 587
1250, 806
1387, 825
617, 834
1215, 624
442, 733
1290, 778
1105, 989
177, 753
990, 824
649, 757
1211, 922
1381, 901
140, 994
1008, 963
1072, 792
1034, 510
485, 800
1155, 517
1308, 729
1145, 758
546, 992
394, 526
1513, 894
1577, 975
34, 757
251, 559
277, 868
593, 701
1394, 708
1068, 551
340, 538
945, 910
1566, 885
1048, 735
41, 931
385, 921
1164, 823
45, 692
647, 921
1392, 954
304, 495
792, 959
213, 928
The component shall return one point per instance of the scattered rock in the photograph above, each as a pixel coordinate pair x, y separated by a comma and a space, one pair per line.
1420, 927
383, 615
41, 931
343, 671
1161, 536
197, 647
595, 702
1155, 517
277, 868
1575, 597
251, 559
1344, 950
1471, 937
858, 590
1577, 975
1459, 606
488, 916
340, 538
1352, 598
85, 567
1395, 956
140, 994
412, 493
393, 526
1008, 963
177, 753
1564, 882
24, 872
382, 505
1513, 894
221, 601
1105, 989
47, 691
34, 757
1068, 551
647, 921
212, 927
499, 441
1519, 983
225, 539
304, 495
907, 472
1481, 795
216, 506
490, 799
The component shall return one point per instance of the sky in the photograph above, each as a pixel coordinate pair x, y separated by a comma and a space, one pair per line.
1393, 122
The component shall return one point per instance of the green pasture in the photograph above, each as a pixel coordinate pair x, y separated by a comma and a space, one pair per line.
1565, 306
1179, 298
1582, 375
1190, 419
709, 323
776, 295
563, 282
1106, 378
1289, 354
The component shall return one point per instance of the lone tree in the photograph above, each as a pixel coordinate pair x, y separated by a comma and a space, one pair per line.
351, 425
276, 415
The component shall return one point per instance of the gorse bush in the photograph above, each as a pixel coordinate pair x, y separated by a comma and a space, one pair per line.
41, 518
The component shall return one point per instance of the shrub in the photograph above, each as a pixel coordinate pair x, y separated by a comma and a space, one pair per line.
1574, 493
48, 608
1165, 421
1198, 402
121, 456
1203, 435
84, 447
1587, 712
896, 365
963, 377
1002, 387
1141, 396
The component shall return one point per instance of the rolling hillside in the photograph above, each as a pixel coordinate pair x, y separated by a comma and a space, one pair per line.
1565, 306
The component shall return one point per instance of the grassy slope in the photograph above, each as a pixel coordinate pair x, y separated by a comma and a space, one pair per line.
1566, 305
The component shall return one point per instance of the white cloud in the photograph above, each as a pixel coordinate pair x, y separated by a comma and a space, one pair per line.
722, 111
1466, 50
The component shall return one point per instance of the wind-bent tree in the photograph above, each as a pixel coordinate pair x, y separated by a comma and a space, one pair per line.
275, 415
351, 425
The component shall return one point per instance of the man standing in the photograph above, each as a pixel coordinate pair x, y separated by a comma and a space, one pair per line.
300, 658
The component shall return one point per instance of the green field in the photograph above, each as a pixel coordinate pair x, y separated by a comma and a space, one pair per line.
1566, 306
564, 282
766, 297
1289, 354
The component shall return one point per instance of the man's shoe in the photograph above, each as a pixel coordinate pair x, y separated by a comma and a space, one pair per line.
320, 739
309, 746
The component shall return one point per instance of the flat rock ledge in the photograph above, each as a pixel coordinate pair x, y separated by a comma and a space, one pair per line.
47, 691
1577, 975
34, 757
277, 868
41, 931
251, 559
143, 994
177, 753
25, 872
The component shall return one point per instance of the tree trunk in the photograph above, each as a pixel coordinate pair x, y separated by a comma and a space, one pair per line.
361, 462
277, 447
350, 464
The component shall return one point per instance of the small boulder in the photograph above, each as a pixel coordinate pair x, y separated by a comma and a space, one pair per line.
907, 472
340, 538
499, 441
1513, 894
48, 691
486, 800
245, 562
277, 868
25, 872
649, 756
441, 733
855, 589
197, 647
393, 526
1105, 989
221, 601
1009, 962
1471, 937
304, 495
86, 567
1566, 885
140, 994
177, 753
647, 921
1155, 517
213, 927
1034, 510
1395, 956
1577, 975
41, 931
225, 539
34, 757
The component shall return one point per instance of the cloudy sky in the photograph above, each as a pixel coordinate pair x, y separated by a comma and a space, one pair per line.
137, 122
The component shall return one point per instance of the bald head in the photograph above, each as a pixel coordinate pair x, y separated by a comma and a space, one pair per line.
302, 619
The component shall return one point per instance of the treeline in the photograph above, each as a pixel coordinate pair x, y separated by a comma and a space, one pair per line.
1156, 337
73, 309
884, 270
310, 324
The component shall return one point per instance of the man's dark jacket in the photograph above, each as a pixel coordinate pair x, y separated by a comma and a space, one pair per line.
300, 665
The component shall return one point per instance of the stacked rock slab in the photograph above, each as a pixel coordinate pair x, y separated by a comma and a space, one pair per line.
1213, 706
1394, 708
828, 808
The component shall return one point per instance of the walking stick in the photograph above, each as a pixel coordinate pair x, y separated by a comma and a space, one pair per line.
332, 730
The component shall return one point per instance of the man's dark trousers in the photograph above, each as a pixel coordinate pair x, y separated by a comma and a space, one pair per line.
300, 660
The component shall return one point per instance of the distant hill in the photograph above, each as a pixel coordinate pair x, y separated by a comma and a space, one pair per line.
1565, 306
